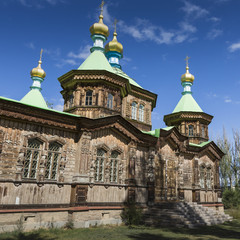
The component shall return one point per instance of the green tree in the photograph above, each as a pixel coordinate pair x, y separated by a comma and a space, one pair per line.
236, 157
225, 163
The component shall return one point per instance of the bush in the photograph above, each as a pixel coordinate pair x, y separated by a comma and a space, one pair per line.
231, 198
69, 224
132, 215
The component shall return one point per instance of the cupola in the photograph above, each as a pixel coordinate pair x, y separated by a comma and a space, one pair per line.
114, 50
99, 33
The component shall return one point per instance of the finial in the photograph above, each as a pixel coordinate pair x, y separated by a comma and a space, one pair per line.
115, 25
186, 59
38, 71
40, 60
101, 6
187, 77
41, 55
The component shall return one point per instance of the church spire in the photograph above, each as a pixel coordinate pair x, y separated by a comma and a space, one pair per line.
38, 74
114, 49
187, 79
99, 32
34, 96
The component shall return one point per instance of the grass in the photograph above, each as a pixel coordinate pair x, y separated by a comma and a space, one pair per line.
227, 231
234, 212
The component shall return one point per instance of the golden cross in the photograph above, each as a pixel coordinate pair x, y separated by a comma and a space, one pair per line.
115, 25
186, 59
101, 6
41, 55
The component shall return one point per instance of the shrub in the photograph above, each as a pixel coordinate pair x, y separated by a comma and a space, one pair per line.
231, 198
69, 224
131, 215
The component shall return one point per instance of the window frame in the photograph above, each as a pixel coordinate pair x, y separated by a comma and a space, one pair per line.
202, 177
53, 156
190, 130
208, 178
29, 158
203, 132
141, 113
110, 101
114, 165
134, 110
71, 101
100, 165
89, 98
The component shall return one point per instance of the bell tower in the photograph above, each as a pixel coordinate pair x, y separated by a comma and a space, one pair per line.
187, 116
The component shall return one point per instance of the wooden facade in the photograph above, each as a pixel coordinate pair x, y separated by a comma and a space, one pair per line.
91, 159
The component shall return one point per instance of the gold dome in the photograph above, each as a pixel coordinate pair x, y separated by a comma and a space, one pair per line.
38, 71
114, 45
99, 28
187, 77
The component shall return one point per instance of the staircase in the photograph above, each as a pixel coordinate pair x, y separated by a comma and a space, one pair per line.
183, 214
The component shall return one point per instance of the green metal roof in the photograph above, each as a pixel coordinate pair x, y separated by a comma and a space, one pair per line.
49, 109
168, 128
154, 133
34, 98
199, 145
120, 73
96, 61
187, 104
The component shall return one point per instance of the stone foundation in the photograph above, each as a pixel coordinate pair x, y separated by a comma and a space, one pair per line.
82, 217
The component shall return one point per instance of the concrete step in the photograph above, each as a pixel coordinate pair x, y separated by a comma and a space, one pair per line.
183, 214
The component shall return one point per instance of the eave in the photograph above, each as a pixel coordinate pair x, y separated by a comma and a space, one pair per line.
175, 118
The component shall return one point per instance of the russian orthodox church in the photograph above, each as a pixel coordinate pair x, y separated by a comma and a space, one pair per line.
100, 152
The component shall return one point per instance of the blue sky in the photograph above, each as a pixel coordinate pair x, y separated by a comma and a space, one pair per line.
156, 36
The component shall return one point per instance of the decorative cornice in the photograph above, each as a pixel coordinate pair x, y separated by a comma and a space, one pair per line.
174, 118
69, 80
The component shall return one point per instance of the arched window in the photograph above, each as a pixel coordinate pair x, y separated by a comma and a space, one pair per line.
208, 178
202, 177
190, 130
88, 101
32, 158
141, 113
110, 101
134, 110
52, 161
99, 165
114, 166
71, 101
203, 132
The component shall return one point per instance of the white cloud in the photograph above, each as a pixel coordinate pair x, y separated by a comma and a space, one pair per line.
214, 19
30, 45
83, 53
38, 3
58, 107
156, 116
127, 59
53, 53
187, 27
194, 11
234, 47
211, 95
108, 19
144, 30
214, 33
63, 62
227, 99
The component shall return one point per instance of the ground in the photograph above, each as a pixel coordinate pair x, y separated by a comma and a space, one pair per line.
230, 231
